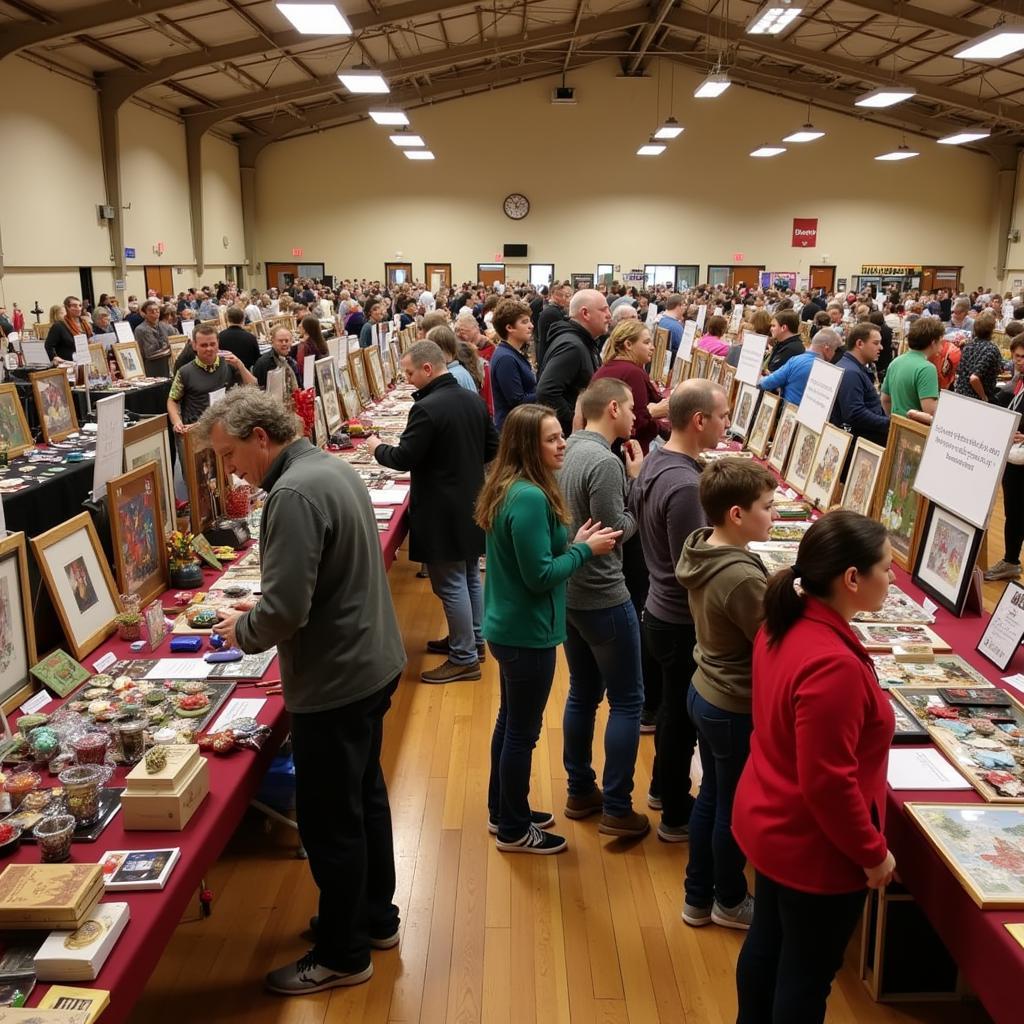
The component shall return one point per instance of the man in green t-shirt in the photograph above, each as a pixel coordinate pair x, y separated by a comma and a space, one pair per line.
911, 384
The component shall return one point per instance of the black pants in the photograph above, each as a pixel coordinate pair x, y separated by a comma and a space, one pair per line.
1013, 511
638, 582
792, 953
675, 737
341, 803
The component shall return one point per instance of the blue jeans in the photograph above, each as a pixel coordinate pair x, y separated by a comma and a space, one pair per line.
715, 869
603, 651
525, 675
457, 585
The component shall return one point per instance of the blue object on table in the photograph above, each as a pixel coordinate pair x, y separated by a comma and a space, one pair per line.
231, 654
190, 644
216, 642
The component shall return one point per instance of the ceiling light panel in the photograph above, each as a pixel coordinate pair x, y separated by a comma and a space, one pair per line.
712, 86
885, 97
651, 149
772, 20
763, 151
419, 154
1000, 42
316, 19
967, 135
402, 139
389, 117
363, 81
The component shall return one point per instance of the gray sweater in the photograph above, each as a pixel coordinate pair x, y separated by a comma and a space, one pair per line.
593, 480
326, 602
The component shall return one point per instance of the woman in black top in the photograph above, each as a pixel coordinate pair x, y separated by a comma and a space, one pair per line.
980, 362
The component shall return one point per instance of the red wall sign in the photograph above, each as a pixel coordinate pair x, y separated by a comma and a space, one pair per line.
298, 252
805, 232
737, 257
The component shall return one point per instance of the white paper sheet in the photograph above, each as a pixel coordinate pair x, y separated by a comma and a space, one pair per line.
180, 668
923, 769
389, 496
238, 707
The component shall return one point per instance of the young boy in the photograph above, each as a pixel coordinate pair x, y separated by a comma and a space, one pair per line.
725, 584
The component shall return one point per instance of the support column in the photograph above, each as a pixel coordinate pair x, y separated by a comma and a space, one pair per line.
194, 155
248, 182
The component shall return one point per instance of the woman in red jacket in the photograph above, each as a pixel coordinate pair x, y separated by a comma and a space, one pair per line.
809, 805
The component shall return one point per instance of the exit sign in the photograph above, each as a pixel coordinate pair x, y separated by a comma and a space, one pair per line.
298, 252
737, 257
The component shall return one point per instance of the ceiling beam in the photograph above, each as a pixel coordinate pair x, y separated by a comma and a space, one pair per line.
921, 16
647, 36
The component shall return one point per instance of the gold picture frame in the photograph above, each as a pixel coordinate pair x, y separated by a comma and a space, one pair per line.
801, 458
661, 342
129, 360
761, 431
782, 439
745, 410
374, 372
149, 441
204, 477
827, 466
324, 373
701, 358
357, 370
177, 343
54, 404
14, 428
715, 370
17, 629
727, 378
862, 476
898, 507
98, 365
135, 507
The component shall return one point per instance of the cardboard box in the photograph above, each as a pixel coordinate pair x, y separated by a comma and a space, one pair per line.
49, 895
181, 759
170, 810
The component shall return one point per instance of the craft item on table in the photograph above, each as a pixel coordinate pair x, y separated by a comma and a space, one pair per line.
156, 624
897, 607
202, 547
776, 555
792, 510
163, 809
17, 973
91, 747
882, 636
10, 839
29, 722
79, 955
134, 870
240, 734
788, 531
84, 1005
53, 834
82, 785
943, 670
19, 783
48, 895
44, 744
60, 673
991, 696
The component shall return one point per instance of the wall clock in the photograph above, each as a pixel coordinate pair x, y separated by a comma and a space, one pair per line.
516, 206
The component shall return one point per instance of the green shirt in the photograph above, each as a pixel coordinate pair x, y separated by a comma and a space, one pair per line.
910, 378
528, 564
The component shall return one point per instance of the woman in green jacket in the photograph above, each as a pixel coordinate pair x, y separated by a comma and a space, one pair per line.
528, 562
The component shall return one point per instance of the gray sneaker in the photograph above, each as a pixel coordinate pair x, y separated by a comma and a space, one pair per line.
306, 975
696, 917
673, 833
734, 917
1003, 570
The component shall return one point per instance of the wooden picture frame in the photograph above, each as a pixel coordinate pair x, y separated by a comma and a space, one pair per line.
862, 477
79, 581
135, 507
357, 370
883, 636
761, 431
324, 371
129, 360
54, 404
727, 378
782, 439
396, 361
715, 370
946, 557
701, 359
149, 441
945, 670
680, 372
320, 430
14, 429
17, 628
204, 477
827, 466
374, 372
898, 507
99, 368
745, 410
801, 458
177, 344
662, 339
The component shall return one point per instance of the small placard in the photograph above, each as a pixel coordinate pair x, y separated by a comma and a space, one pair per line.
123, 330
1003, 634
82, 354
216, 396
308, 380
35, 703
102, 664
702, 314
929, 606
188, 327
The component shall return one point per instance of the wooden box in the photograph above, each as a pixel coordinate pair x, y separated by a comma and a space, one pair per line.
49, 895
166, 810
181, 761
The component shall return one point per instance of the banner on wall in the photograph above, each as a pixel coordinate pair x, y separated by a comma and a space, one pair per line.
805, 232
778, 279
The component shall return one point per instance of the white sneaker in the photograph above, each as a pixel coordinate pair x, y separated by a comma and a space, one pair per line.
306, 975
734, 917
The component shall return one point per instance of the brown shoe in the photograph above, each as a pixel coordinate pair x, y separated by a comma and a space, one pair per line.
584, 806
632, 825
449, 672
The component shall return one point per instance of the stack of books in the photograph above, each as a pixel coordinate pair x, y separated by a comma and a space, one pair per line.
79, 955
166, 799
49, 895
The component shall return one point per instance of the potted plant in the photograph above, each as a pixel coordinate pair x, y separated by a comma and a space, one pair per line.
185, 570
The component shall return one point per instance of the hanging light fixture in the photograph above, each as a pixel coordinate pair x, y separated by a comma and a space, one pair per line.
316, 19
651, 148
363, 80
901, 152
965, 135
712, 86
1000, 42
389, 117
763, 151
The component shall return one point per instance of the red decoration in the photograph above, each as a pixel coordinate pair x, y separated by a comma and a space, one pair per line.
304, 403
805, 232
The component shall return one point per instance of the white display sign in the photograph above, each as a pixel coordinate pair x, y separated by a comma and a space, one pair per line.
188, 327
965, 454
702, 314
35, 353
819, 395
82, 354
216, 396
652, 316
109, 443
123, 330
307, 372
275, 383
748, 369
1005, 629
737, 318
686, 344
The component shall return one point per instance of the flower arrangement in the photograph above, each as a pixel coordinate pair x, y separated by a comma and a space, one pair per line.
179, 548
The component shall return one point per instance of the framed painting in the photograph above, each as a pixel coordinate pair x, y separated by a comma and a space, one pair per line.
783, 439
135, 507
826, 467
801, 458
320, 422
945, 670
79, 581
357, 371
743, 411
898, 507
148, 441
982, 846
884, 636
715, 370
701, 361
661, 342
99, 368
328, 388
129, 360
761, 431
946, 557
680, 372
396, 359
862, 476
177, 344
727, 378
156, 624
374, 372
54, 406
204, 478
13, 425
17, 632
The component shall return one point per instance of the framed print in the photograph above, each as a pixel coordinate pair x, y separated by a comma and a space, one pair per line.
327, 386
776, 555
79, 581
98, 365
760, 432
897, 607
801, 458
898, 507
60, 673
715, 370
908, 728
783, 439
701, 362
148, 441
17, 632
177, 344
743, 412
156, 624
826, 467
129, 360
374, 372
661, 342
135, 507
884, 636
357, 371
204, 479
320, 422
680, 372
13, 425
396, 360
1005, 630
946, 557
982, 846
727, 378
945, 670
54, 406
861, 477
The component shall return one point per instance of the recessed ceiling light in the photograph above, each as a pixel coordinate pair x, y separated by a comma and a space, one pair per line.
967, 135
806, 134
772, 20
671, 129
899, 153
419, 154
1000, 42
363, 80
712, 86
389, 117
885, 97
316, 19
651, 149
768, 151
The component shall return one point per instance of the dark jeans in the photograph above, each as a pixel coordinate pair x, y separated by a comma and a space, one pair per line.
715, 869
792, 953
638, 582
603, 651
1013, 511
672, 645
341, 804
525, 675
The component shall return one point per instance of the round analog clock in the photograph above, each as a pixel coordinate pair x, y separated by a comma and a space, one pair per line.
516, 206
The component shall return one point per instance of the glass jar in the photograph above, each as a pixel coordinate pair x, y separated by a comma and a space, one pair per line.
91, 747
132, 734
82, 784
21, 782
53, 834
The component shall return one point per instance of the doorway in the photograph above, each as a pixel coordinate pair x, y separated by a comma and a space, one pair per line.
437, 276
159, 280
542, 274
489, 274
824, 278
933, 278
397, 273
85, 284
748, 276
281, 275
605, 273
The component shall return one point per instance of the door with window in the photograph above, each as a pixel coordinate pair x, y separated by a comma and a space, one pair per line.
749, 276
159, 280
437, 276
489, 274
542, 274
605, 273
397, 273
687, 276
823, 277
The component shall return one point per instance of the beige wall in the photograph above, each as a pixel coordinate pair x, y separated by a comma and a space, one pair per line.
594, 201
222, 203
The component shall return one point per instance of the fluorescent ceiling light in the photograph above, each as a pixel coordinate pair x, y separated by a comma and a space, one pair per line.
806, 134
389, 117
900, 153
712, 86
772, 20
967, 135
363, 80
403, 139
1000, 42
651, 149
768, 151
316, 19
419, 154
885, 97
671, 129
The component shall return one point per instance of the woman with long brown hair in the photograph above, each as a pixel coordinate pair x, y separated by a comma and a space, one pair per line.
529, 560
312, 342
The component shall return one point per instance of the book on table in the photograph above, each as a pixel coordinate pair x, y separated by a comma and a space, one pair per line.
48, 895
81, 1005
79, 955
138, 869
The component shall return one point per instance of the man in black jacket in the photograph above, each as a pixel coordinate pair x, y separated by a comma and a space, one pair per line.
446, 442
554, 311
573, 354
786, 341
235, 338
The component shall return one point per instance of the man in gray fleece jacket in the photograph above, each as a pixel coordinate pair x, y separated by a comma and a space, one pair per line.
325, 603
602, 642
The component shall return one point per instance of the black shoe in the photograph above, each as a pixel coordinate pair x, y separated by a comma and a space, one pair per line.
542, 819
376, 941
441, 647
534, 841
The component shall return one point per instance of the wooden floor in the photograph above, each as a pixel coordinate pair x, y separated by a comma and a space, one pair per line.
592, 936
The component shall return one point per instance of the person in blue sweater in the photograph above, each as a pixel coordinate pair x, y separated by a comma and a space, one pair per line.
858, 408
791, 377
513, 381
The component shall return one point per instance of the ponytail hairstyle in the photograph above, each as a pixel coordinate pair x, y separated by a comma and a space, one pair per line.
838, 541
